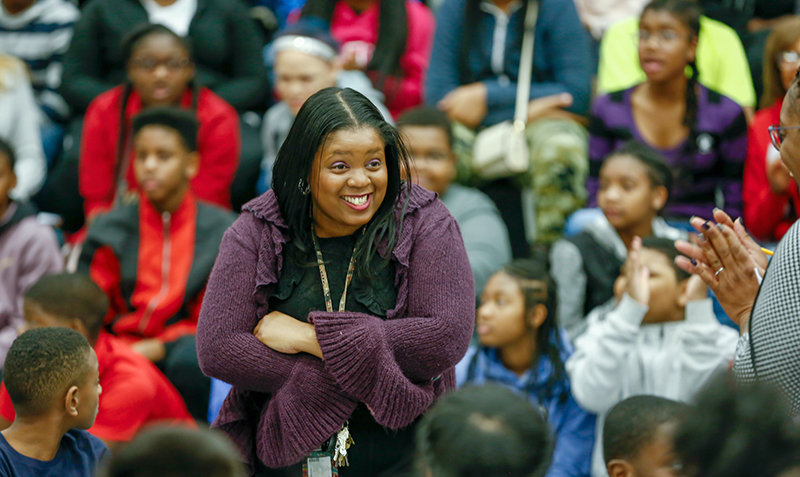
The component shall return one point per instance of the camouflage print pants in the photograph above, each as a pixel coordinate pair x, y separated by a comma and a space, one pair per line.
556, 176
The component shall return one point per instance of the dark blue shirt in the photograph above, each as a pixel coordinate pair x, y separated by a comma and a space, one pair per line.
78, 455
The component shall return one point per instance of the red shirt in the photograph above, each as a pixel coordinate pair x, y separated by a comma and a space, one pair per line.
767, 215
218, 143
135, 394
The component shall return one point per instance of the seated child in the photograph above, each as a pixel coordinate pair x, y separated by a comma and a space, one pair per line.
430, 140
637, 437
176, 452
739, 431
304, 59
52, 377
28, 250
522, 348
661, 338
634, 187
153, 258
135, 393
160, 72
483, 430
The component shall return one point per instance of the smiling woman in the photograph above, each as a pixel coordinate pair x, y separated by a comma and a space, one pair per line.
342, 232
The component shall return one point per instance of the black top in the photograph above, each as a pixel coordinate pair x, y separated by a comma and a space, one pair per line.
226, 48
602, 267
378, 452
299, 289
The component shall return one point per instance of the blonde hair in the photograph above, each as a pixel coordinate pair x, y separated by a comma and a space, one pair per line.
783, 36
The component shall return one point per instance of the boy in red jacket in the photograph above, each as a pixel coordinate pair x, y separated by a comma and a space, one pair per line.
153, 258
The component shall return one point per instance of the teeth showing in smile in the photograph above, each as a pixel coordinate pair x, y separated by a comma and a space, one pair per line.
360, 200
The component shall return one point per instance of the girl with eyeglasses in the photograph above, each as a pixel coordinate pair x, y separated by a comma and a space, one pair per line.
160, 72
521, 347
700, 133
771, 199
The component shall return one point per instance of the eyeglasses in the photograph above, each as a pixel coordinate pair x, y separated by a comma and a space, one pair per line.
150, 64
777, 134
788, 59
660, 37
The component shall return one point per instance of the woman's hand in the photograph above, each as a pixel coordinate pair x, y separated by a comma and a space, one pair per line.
727, 260
466, 104
637, 277
549, 106
287, 335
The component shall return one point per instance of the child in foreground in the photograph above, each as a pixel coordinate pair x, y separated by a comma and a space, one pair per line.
135, 393
638, 435
52, 377
522, 348
660, 338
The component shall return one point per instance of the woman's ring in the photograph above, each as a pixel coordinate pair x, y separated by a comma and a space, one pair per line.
720, 270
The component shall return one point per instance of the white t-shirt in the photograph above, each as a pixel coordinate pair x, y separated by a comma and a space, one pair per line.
176, 17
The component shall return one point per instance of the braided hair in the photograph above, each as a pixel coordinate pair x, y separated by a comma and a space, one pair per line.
129, 44
538, 288
688, 13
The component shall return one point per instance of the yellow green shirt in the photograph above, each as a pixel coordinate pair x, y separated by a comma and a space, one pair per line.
721, 60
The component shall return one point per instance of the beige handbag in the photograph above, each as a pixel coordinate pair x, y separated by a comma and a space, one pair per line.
502, 150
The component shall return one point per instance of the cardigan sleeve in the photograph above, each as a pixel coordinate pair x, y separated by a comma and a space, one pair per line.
601, 143
226, 347
391, 365
732, 152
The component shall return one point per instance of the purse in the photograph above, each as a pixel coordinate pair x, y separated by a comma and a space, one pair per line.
502, 150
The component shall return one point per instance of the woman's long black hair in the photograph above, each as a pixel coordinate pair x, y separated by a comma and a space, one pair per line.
324, 113
392, 36
129, 44
688, 13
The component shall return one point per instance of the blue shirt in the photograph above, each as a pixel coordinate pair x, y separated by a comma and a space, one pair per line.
78, 456
572, 426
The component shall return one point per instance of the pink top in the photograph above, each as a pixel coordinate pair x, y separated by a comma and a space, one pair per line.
401, 93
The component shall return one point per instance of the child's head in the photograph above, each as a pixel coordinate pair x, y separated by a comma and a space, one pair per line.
159, 64
70, 300
166, 158
15, 7
634, 186
8, 178
53, 372
669, 290
518, 307
668, 31
485, 431
176, 452
304, 60
739, 430
430, 139
637, 437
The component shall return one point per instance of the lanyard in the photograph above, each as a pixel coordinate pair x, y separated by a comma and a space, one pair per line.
323, 275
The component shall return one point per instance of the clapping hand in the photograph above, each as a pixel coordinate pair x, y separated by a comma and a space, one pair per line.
727, 259
636, 276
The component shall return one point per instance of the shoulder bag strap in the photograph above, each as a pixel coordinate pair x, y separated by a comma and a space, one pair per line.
526, 66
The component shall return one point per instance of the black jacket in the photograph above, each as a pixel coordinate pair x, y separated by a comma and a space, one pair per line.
226, 48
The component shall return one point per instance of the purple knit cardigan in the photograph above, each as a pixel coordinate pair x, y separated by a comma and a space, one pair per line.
391, 365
